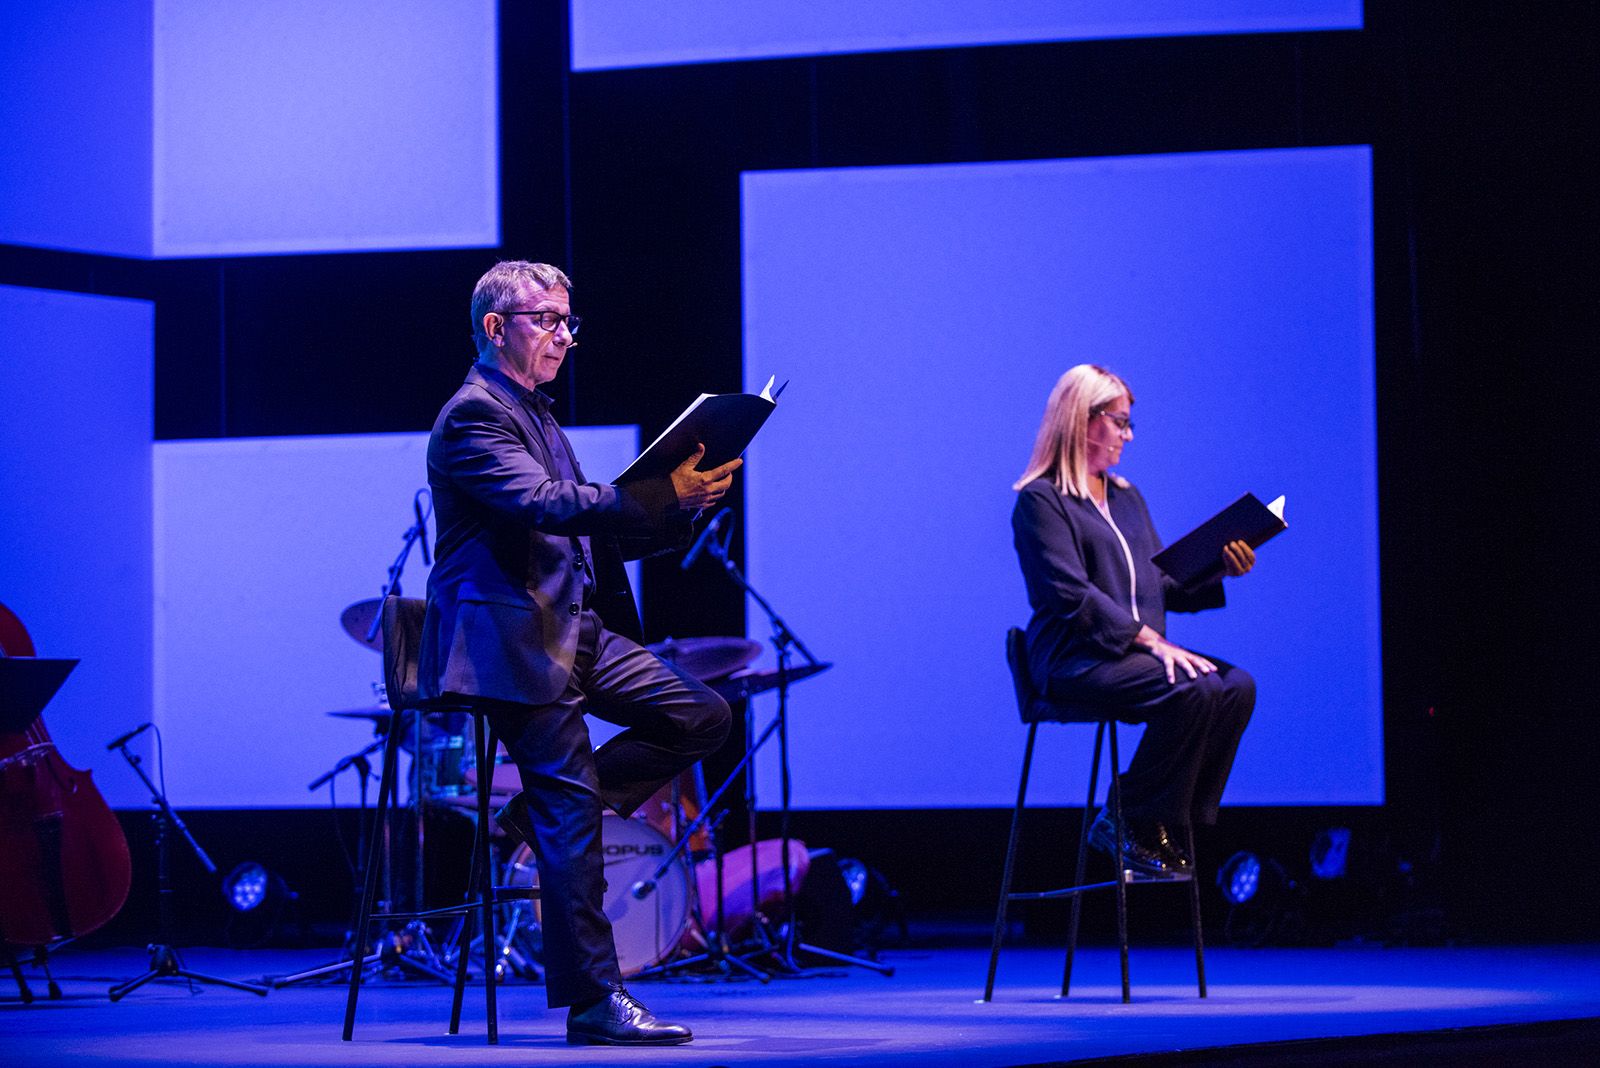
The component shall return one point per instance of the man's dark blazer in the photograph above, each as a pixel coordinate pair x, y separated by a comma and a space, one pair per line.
1077, 577
506, 591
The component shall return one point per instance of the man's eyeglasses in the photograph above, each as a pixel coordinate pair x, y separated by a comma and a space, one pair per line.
1124, 424
549, 320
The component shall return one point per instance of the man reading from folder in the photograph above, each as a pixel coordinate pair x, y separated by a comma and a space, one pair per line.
530, 616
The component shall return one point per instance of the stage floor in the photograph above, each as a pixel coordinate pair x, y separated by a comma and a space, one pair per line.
926, 1014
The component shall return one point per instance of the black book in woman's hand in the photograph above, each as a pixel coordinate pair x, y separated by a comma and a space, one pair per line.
1197, 556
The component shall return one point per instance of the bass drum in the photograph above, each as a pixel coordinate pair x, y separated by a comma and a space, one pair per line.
647, 931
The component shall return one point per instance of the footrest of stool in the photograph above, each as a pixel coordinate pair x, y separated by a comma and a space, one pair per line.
501, 895
1129, 878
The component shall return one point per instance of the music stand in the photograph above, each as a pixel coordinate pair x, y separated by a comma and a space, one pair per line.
27, 683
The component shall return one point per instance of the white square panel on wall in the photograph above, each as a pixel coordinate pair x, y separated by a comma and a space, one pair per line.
302, 126
76, 411
260, 545
75, 126
923, 315
167, 128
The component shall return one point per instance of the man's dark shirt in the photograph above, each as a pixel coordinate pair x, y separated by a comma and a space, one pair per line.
563, 463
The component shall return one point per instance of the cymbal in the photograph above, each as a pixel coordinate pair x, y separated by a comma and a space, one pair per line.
357, 621
747, 684
377, 713
707, 658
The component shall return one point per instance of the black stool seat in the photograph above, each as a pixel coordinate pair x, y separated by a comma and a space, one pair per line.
1035, 708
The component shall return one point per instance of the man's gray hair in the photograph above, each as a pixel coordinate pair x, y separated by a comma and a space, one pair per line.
501, 284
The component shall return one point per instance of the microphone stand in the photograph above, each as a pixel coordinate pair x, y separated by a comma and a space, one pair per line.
717, 951
784, 639
393, 950
164, 961
415, 535
363, 767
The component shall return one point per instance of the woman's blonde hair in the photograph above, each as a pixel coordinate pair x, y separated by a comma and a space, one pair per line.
1060, 452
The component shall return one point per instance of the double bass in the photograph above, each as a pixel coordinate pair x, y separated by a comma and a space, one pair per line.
64, 866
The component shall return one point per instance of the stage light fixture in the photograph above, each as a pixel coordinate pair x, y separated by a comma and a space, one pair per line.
247, 887
258, 903
1265, 904
1240, 877
856, 878
1330, 853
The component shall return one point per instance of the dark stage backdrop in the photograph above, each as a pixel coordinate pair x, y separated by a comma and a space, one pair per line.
1483, 235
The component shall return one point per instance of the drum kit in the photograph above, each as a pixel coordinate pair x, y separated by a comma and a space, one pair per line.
694, 897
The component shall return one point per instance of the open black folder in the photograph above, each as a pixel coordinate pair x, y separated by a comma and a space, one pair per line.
725, 423
1197, 556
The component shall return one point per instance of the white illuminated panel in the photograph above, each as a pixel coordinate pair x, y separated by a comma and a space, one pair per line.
302, 126
225, 127
923, 314
260, 545
75, 126
75, 383
639, 33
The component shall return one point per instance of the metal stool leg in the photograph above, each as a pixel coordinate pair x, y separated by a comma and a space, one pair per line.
1121, 874
1011, 856
485, 868
386, 788
463, 947
480, 885
1194, 916
464, 930
1083, 861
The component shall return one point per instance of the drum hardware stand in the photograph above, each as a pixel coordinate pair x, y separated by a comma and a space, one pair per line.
394, 949
164, 960
363, 769
514, 954
717, 952
784, 640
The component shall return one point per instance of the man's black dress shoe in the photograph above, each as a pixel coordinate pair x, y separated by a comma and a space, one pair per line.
512, 817
1168, 844
1147, 859
619, 1020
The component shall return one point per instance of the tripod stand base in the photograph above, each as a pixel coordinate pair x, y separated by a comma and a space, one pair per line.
783, 947
843, 958
164, 964
720, 957
389, 954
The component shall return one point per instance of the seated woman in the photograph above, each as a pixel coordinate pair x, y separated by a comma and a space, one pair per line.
1098, 633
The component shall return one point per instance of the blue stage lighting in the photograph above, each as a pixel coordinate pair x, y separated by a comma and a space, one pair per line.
247, 886
1240, 877
1330, 853
856, 878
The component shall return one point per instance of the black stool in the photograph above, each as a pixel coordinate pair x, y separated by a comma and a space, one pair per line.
402, 638
1035, 708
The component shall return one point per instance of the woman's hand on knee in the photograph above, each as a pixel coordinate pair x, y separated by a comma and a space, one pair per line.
1174, 658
